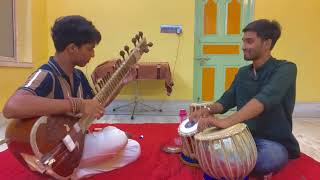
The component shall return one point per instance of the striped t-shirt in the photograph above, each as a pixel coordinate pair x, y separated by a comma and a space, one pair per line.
51, 81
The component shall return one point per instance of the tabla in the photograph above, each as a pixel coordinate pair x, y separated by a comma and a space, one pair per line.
187, 129
229, 153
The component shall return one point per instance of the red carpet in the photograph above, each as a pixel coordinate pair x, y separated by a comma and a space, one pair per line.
154, 164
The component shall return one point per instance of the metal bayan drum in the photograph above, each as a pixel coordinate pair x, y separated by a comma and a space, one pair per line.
187, 130
229, 153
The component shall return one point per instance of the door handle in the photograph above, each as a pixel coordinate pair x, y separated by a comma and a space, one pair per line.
202, 58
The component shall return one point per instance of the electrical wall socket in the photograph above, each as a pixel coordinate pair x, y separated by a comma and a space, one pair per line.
171, 29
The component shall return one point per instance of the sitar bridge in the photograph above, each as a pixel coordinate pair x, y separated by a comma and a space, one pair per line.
33, 163
69, 143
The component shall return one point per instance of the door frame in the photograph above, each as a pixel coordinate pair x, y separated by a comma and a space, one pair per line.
247, 14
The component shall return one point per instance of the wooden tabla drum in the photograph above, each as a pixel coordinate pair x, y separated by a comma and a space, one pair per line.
187, 130
229, 153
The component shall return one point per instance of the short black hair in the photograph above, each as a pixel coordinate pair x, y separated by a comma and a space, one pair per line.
73, 29
265, 29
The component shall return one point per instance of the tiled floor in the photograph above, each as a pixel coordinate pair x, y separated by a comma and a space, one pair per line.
306, 129
307, 132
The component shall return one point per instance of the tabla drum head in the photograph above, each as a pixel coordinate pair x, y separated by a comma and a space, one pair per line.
214, 133
188, 127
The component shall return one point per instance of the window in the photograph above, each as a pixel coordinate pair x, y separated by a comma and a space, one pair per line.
7, 32
15, 33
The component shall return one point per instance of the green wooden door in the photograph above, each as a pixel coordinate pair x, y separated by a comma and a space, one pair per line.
218, 54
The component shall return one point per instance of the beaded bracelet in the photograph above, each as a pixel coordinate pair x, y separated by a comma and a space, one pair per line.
73, 108
76, 104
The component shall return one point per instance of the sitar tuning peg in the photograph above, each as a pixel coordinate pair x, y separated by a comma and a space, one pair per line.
150, 44
126, 48
122, 53
134, 41
137, 37
141, 34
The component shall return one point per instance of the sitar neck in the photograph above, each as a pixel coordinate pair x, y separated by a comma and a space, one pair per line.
111, 85
115, 80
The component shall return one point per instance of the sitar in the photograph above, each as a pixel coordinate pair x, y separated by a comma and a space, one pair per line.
53, 145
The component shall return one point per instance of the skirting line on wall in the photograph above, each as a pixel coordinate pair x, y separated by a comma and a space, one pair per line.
310, 110
301, 110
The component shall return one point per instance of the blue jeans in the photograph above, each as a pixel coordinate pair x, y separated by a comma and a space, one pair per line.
207, 177
272, 156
